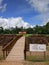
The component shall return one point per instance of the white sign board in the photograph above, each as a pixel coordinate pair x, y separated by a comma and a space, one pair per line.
37, 47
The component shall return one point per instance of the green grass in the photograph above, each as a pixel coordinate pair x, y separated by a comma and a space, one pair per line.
35, 59
27, 35
47, 48
47, 34
1, 58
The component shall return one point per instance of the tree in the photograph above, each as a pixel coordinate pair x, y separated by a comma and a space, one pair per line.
29, 30
1, 30
47, 28
37, 29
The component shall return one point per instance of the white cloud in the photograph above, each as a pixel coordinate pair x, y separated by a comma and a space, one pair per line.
2, 6
40, 5
41, 19
1, 2
13, 22
45, 21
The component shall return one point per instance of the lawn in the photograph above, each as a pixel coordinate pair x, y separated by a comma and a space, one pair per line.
37, 59
47, 48
27, 35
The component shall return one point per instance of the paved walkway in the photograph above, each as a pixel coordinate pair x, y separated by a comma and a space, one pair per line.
17, 52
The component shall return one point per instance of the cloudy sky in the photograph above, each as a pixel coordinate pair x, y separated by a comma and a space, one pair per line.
26, 13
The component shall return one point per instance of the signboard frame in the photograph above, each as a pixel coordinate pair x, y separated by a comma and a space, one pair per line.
37, 47
44, 51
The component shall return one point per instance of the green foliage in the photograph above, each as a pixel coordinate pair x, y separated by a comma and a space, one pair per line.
36, 30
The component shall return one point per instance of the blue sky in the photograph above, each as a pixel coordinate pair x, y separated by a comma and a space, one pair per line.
32, 12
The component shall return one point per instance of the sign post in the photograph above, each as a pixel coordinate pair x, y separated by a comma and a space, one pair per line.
38, 48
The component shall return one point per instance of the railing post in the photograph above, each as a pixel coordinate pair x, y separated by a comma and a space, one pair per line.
3, 54
6, 52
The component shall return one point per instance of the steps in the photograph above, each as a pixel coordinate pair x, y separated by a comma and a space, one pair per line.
17, 52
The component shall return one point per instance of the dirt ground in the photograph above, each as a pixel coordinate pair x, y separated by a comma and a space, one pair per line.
23, 63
